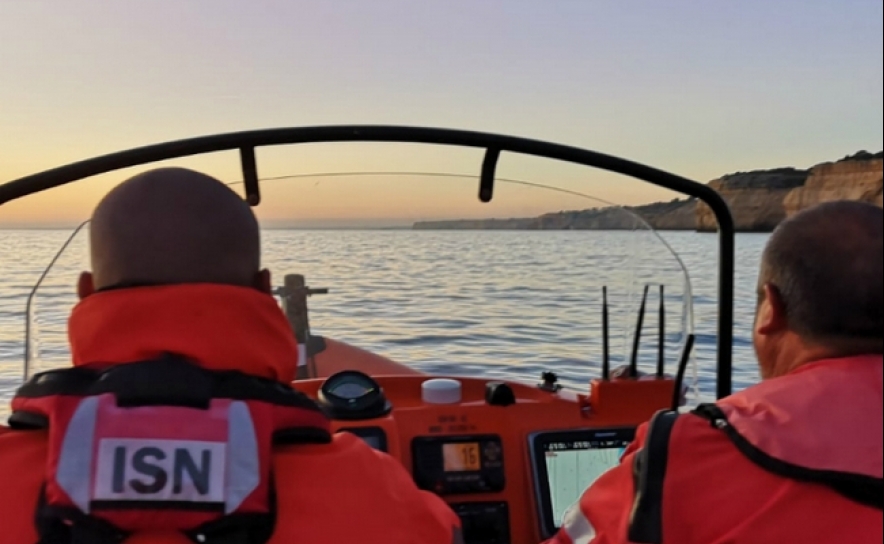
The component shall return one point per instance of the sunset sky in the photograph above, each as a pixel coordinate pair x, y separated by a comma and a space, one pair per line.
695, 87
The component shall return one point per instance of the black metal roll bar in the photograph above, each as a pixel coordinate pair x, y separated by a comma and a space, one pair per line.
494, 145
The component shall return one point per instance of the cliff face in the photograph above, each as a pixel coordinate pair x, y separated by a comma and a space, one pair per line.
674, 215
755, 198
852, 180
760, 200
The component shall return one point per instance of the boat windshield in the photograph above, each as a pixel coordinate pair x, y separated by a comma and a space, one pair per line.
420, 271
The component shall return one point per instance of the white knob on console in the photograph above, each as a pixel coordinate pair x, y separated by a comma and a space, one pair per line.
441, 391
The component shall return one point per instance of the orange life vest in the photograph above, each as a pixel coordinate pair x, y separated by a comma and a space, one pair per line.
331, 489
794, 459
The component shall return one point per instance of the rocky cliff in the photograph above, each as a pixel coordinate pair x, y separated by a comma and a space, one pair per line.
755, 198
759, 200
847, 179
674, 215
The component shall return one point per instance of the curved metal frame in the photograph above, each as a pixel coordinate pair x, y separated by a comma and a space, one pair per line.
494, 144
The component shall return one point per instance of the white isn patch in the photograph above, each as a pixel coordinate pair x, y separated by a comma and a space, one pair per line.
160, 470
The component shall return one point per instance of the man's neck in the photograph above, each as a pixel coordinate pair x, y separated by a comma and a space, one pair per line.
797, 352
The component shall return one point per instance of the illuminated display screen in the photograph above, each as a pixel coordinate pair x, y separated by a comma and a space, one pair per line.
573, 467
568, 463
458, 465
461, 457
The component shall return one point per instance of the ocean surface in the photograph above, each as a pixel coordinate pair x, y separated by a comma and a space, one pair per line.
500, 304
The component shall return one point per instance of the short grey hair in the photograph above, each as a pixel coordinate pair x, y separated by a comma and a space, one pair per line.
826, 263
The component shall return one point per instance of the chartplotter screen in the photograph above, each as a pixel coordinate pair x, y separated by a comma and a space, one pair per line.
567, 463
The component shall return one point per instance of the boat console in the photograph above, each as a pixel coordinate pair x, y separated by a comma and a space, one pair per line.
509, 463
510, 458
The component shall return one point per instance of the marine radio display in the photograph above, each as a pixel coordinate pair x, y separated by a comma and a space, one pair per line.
461, 457
452, 465
567, 463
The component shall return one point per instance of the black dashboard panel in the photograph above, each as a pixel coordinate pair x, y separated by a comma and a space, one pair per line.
484, 522
373, 436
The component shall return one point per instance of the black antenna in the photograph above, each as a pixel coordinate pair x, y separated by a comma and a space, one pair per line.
606, 362
661, 341
633, 363
682, 368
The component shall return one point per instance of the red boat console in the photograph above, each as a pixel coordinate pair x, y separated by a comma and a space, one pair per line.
500, 453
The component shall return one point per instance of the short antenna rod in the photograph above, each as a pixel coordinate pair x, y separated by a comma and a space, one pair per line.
606, 361
661, 341
633, 363
682, 369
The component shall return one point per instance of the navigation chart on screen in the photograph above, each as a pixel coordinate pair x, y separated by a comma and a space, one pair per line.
574, 466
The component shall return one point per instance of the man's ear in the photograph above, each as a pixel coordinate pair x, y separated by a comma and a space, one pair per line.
263, 282
772, 317
85, 285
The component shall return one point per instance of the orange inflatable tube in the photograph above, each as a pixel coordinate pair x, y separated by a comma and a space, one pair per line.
332, 356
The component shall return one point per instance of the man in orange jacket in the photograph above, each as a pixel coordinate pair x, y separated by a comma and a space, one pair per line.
797, 458
177, 424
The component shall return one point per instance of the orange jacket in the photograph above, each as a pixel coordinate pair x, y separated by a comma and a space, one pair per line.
824, 416
339, 492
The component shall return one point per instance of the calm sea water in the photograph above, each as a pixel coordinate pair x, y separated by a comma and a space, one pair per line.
501, 304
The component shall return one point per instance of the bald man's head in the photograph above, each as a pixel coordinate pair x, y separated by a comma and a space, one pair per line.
825, 265
171, 226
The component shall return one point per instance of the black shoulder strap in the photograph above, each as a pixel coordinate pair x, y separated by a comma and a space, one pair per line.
649, 469
70, 526
167, 381
865, 490
239, 528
